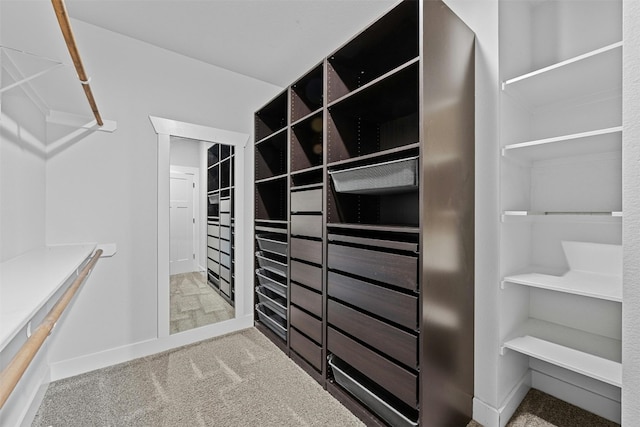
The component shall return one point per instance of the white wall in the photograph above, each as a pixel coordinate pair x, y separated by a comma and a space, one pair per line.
184, 152
103, 187
22, 175
631, 223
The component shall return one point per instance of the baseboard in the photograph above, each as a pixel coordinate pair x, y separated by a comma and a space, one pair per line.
586, 399
91, 362
485, 414
514, 398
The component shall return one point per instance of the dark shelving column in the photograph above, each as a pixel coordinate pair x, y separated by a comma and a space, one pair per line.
271, 220
366, 183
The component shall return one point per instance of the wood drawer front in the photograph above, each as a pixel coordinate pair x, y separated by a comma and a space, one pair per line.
213, 266
225, 219
213, 242
308, 275
398, 381
213, 254
225, 260
390, 340
225, 246
307, 299
225, 233
389, 304
306, 225
394, 269
306, 348
213, 230
306, 323
225, 287
225, 205
225, 274
306, 250
306, 201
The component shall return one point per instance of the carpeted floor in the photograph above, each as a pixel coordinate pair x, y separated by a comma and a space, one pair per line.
240, 379
538, 409
194, 303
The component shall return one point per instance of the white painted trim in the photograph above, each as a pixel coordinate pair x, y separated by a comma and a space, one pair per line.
71, 367
243, 257
485, 414
514, 398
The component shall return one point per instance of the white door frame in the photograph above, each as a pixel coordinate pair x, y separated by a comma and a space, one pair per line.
165, 128
197, 232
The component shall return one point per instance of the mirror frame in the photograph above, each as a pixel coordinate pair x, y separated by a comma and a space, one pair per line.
166, 128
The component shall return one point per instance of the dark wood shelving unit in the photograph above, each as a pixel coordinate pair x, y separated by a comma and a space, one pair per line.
378, 228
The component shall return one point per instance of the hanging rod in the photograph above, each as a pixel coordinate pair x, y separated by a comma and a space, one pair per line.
65, 25
12, 373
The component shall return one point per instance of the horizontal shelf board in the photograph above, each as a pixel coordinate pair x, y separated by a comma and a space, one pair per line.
272, 135
307, 187
371, 156
372, 227
596, 71
306, 117
306, 170
597, 141
577, 283
374, 82
272, 221
607, 216
583, 363
271, 178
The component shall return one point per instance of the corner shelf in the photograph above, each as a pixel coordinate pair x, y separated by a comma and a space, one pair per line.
583, 363
597, 71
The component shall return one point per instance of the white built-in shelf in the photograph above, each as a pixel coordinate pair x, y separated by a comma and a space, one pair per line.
29, 281
590, 216
581, 362
578, 283
593, 72
595, 141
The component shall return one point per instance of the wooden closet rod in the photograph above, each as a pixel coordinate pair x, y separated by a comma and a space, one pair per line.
10, 376
63, 19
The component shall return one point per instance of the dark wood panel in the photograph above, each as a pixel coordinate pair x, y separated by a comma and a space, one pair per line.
397, 307
394, 269
306, 274
394, 342
307, 299
306, 250
306, 323
377, 243
306, 225
398, 381
306, 348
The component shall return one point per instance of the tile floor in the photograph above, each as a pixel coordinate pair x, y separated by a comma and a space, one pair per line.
195, 303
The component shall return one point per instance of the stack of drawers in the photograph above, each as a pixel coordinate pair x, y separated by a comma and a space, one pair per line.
306, 274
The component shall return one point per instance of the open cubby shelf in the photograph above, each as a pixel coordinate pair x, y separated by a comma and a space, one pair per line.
401, 209
271, 157
271, 200
307, 94
383, 117
306, 143
385, 45
272, 117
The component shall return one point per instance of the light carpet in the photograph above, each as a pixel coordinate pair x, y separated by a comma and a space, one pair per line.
241, 379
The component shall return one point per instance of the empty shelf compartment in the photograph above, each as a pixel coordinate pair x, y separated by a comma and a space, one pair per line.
395, 176
271, 320
269, 243
345, 378
267, 280
272, 265
275, 302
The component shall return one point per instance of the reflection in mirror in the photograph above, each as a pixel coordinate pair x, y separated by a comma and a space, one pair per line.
201, 233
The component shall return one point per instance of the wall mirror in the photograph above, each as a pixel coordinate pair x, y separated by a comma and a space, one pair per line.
201, 232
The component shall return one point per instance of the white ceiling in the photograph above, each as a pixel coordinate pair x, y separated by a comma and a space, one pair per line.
276, 41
